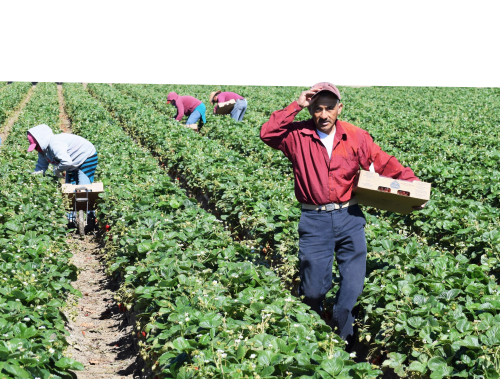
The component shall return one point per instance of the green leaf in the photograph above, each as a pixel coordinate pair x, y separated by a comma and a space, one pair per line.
17, 371
463, 325
11, 225
69, 364
441, 372
419, 299
143, 247
435, 362
302, 359
415, 322
175, 204
332, 366
264, 358
240, 352
448, 295
181, 344
210, 321
28, 332
276, 358
418, 366
397, 358
267, 371
471, 342
184, 374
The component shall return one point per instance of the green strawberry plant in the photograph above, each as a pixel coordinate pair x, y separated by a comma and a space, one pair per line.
468, 227
10, 97
35, 273
243, 192
206, 305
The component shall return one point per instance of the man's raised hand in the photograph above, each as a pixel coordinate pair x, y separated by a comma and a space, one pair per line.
305, 97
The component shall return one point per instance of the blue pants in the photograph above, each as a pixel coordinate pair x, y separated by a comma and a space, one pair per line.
321, 234
82, 178
193, 118
198, 113
239, 110
85, 172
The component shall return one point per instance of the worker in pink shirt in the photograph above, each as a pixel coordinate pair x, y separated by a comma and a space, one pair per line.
188, 106
239, 108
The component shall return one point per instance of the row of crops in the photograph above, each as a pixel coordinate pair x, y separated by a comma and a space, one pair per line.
212, 292
206, 306
10, 97
431, 297
35, 273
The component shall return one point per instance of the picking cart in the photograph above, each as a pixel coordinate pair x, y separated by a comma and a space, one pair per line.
84, 198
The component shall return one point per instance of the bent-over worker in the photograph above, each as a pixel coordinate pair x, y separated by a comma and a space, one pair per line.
239, 108
326, 154
66, 152
188, 106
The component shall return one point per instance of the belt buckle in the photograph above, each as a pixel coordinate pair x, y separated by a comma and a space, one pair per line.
330, 207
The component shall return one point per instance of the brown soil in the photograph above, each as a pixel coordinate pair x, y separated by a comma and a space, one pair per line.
65, 123
13, 118
84, 85
101, 338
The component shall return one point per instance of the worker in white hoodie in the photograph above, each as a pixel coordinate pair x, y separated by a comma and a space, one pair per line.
66, 152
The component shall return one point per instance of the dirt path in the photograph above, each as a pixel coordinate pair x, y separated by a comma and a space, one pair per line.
84, 85
65, 123
100, 336
13, 118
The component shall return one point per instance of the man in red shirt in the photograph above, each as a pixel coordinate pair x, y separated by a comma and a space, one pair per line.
326, 155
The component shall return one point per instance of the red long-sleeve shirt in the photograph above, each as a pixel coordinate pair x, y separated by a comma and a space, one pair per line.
185, 106
318, 179
226, 96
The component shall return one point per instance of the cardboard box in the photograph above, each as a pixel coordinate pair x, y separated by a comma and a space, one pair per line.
389, 194
95, 189
225, 107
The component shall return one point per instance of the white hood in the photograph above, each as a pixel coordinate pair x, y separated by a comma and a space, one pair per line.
42, 134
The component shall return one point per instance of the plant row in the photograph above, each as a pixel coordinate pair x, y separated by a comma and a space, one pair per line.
457, 222
35, 269
390, 254
206, 306
10, 98
440, 146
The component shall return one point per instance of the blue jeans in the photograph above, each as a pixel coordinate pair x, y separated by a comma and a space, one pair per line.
321, 234
82, 178
239, 110
193, 118
198, 113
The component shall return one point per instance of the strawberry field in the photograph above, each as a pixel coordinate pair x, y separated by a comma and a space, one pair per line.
34, 268
203, 236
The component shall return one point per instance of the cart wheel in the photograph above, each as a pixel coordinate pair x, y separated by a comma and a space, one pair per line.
81, 223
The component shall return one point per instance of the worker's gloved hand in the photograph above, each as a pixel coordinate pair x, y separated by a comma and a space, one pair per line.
59, 174
37, 172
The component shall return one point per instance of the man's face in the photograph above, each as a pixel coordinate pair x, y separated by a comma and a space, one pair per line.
324, 111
